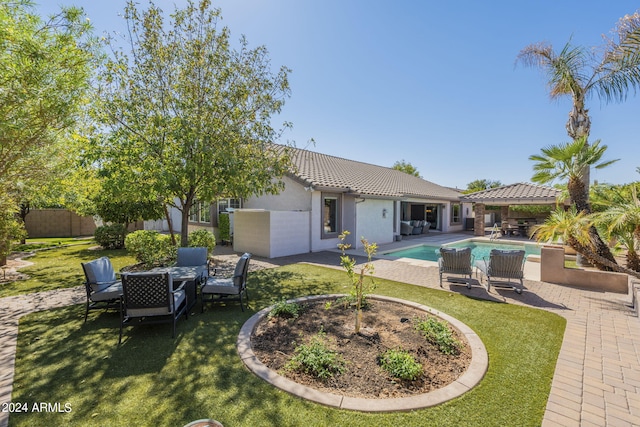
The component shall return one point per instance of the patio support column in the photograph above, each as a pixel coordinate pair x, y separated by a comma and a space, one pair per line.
478, 223
504, 212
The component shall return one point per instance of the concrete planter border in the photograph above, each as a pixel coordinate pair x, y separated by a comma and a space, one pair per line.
468, 380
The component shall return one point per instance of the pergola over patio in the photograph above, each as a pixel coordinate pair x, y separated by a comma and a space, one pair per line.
522, 193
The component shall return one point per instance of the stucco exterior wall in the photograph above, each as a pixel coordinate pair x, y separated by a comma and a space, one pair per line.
271, 234
552, 270
293, 198
374, 221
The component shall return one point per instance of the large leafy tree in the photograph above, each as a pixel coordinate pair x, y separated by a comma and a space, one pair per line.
188, 115
406, 167
45, 68
569, 162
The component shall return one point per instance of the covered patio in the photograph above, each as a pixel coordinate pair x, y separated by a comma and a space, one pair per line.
508, 195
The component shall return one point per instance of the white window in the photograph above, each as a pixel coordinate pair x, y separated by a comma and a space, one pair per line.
330, 215
200, 212
456, 211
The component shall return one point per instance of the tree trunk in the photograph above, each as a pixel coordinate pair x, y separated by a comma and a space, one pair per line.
579, 126
579, 193
172, 232
184, 231
25, 208
594, 258
633, 260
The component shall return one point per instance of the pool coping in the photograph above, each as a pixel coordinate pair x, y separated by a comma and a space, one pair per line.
472, 376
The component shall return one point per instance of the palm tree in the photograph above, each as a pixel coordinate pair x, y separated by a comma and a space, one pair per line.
622, 221
572, 228
574, 72
569, 162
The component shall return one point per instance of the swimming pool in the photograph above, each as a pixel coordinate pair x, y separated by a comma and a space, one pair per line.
479, 250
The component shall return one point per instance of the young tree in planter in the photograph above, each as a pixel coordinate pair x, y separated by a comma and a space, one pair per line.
188, 115
359, 288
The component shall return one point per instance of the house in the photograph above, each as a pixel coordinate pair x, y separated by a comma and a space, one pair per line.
325, 195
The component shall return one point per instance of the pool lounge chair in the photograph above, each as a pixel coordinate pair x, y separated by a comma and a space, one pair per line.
503, 264
456, 261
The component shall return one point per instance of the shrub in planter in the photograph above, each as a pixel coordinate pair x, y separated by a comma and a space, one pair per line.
400, 364
150, 247
317, 359
202, 238
110, 236
224, 228
438, 333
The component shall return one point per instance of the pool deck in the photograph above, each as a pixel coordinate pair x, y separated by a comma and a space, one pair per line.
597, 376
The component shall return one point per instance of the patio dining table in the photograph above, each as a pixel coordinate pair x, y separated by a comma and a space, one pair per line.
188, 274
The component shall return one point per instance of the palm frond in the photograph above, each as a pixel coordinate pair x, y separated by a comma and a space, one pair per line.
619, 72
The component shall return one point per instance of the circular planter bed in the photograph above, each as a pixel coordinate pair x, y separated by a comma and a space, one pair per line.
266, 345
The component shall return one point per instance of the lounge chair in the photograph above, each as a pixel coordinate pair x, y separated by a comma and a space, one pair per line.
503, 264
150, 298
406, 228
103, 288
456, 261
219, 289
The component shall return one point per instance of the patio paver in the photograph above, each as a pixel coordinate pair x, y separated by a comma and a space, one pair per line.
597, 376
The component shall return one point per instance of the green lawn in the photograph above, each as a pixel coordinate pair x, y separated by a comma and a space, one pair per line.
48, 242
153, 380
60, 268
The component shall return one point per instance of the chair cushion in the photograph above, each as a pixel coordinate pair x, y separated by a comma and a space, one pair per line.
112, 291
100, 273
219, 286
158, 311
191, 256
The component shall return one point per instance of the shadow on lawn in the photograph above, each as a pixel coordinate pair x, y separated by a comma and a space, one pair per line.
152, 379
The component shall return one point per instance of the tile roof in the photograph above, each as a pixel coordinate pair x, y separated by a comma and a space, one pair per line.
326, 172
519, 193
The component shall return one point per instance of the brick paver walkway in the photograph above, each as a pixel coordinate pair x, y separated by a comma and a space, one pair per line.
597, 377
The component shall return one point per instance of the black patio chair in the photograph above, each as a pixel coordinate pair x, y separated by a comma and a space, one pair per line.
150, 298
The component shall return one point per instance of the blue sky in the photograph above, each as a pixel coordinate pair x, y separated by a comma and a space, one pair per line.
433, 83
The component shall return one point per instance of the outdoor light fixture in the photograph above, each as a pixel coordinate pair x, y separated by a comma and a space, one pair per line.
384, 213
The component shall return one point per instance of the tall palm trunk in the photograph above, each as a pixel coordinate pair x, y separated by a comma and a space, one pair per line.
579, 126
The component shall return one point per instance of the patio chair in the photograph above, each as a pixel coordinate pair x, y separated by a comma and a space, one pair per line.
193, 257
503, 264
456, 261
150, 298
103, 289
215, 289
406, 228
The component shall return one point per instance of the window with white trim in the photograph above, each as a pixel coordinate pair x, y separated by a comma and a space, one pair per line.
456, 213
200, 212
331, 210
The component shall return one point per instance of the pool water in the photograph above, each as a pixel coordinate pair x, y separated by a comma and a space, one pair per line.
479, 250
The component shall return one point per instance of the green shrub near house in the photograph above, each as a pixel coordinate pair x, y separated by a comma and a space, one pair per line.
111, 236
150, 248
